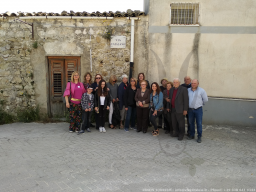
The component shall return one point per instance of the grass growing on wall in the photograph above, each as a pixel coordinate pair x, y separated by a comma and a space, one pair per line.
5, 118
29, 114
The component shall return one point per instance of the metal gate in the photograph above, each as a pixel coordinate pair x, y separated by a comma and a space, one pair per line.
60, 71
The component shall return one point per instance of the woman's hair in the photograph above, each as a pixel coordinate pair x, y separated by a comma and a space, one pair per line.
105, 89
144, 81
96, 76
112, 78
133, 78
169, 82
158, 90
90, 82
139, 76
72, 76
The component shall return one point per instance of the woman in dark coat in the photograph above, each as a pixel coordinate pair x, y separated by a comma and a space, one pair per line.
102, 101
141, 77
130, 104
167, 111
95, 85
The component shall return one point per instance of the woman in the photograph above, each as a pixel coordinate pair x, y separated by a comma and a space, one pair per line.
87, 80
156, 106
113, 87
141, 77
167, 112
120, 95
75, 89
130, 104
102, 102
142, 98
163, 87
95, 85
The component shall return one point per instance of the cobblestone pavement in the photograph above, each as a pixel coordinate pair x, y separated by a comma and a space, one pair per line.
46, 157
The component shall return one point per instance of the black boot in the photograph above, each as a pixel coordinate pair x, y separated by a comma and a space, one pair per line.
199, 140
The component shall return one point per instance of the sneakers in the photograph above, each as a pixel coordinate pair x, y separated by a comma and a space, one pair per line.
100, 129
190, 137
80, 132
126, 129
70, 130
199, 140
134, 128
103, 130
88, 130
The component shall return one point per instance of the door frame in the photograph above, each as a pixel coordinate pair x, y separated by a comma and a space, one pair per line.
49, 75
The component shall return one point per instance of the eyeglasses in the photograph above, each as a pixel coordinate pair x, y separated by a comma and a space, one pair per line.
98, 77
132, 81
142, 84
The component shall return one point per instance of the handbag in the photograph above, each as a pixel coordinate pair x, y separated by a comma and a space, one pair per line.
69, 97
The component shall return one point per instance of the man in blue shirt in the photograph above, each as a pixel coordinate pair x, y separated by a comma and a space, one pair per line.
197, 98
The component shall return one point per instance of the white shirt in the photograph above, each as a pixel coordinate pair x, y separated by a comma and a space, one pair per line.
102, 100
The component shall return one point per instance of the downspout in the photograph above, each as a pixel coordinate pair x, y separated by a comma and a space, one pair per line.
132, 45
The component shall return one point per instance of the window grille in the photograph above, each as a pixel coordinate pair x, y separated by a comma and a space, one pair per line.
57, 83
184, 13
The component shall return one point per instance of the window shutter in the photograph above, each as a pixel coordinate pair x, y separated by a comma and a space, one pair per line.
71, 66
57, 78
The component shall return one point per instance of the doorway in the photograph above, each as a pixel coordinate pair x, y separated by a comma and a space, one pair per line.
60, 71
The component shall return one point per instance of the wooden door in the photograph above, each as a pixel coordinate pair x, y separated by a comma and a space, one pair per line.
60, 71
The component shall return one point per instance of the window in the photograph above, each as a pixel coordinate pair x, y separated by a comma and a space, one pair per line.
184, 14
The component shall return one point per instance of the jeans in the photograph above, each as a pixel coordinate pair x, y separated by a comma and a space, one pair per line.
111, 109
153, 118
130, 115
86, 117
195, 114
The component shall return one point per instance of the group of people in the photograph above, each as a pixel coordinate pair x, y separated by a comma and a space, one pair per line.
133, 101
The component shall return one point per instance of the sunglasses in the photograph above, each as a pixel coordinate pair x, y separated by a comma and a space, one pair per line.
98, 77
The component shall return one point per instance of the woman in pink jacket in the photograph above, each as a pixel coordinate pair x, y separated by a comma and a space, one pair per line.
74, 104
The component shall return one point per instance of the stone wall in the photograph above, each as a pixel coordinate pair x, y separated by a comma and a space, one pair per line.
16, 71
62, 37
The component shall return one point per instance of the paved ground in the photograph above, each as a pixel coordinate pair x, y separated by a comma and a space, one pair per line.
45, 157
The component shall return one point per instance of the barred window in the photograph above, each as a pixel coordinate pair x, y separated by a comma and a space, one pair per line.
185, 13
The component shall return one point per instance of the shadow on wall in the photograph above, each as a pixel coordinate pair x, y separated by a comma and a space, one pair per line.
184, 67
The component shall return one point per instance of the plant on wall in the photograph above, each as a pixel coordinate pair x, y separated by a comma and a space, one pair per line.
35, 45
108, 33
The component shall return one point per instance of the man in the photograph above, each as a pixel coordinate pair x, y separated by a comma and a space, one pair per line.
187, 84
197, 98
179, 107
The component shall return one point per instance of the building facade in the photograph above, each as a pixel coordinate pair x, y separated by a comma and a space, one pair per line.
213, 41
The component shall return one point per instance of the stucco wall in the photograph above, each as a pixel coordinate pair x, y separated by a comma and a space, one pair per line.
222, 61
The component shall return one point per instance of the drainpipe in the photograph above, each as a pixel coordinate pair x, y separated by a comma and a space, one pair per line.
132, 45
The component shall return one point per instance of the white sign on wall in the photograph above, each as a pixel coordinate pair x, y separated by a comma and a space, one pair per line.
118, 42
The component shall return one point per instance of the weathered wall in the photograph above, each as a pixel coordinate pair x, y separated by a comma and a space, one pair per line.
219, 52
65, 37
16, 70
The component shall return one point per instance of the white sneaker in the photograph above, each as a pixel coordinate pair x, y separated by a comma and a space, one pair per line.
104, 130
100, 129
